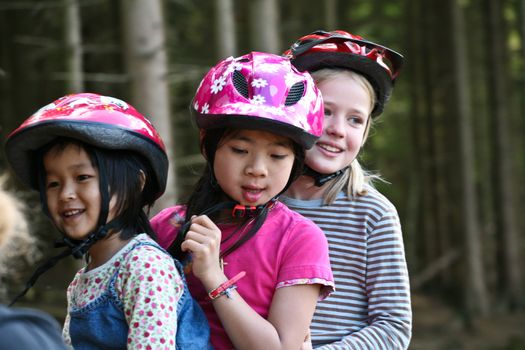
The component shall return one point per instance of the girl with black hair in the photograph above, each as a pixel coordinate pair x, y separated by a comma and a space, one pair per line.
99, 164
254, 266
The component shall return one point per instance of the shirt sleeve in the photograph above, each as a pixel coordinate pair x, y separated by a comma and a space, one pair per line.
167, 224
65, 333
306, 259
150, 288
65, 330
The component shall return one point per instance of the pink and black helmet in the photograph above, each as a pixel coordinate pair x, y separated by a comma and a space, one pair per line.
260, 91
102, 121
340, 49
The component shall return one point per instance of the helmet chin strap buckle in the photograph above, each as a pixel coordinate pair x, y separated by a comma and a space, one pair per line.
321, 179
240, 211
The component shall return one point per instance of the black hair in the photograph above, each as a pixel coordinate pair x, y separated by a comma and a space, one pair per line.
122, 173
207, 193
123, 170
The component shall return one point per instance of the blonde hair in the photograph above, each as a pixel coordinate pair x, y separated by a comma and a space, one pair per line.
354, 179
12, 219
16, 244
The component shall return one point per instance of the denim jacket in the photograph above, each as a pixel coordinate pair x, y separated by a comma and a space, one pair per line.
102, 325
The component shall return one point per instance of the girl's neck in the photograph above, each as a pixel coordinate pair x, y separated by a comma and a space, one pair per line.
105, 249
304, 188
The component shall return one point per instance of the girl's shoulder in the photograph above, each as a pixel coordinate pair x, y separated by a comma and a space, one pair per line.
167, 224
285, 219
170, 216
373, 199
145, 252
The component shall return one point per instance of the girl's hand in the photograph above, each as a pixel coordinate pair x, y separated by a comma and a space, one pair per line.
203, 240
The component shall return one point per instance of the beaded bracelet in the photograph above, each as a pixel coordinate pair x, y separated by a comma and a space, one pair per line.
226, 288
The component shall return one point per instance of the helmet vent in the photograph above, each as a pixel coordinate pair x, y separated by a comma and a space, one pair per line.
240, 83
295, 94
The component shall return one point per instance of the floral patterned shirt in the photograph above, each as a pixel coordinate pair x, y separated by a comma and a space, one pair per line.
149, 286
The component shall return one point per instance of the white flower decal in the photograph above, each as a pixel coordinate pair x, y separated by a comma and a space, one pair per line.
233, 67
275, 110
290, 78
218, 84
269, 67
46, 108
258, 83
205, 109
86, 101
196, 105
258, 100
115, 101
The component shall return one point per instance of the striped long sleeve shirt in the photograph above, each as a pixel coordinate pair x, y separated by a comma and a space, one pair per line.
370, 308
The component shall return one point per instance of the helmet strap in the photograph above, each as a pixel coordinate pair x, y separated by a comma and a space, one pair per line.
75, 248
80, 247
321, 179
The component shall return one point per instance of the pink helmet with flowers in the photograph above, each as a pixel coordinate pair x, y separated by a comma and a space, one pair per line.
340, 49
260, 91
102, 121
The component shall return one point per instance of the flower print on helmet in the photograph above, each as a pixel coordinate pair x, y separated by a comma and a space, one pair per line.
260, 91
101, 121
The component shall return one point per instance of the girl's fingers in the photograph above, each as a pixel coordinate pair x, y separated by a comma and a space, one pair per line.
204, 221
194, 247
203, 230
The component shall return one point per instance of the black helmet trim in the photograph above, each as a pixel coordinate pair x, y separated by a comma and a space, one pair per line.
297, 134
20, 147
375, 74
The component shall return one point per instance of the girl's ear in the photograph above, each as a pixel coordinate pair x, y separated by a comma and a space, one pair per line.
142, 179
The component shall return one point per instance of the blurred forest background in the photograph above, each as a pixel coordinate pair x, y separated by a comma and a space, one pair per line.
450, 143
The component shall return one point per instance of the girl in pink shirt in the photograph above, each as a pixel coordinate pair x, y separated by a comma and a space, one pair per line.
255, 267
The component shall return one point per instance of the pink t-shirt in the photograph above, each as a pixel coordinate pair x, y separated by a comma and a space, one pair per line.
287, 250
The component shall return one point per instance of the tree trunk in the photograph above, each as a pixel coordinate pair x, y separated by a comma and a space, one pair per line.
510, 273
476, 295
7, 99
145, 55
330, 14
413, 228
73, 36
225, 28
265, 26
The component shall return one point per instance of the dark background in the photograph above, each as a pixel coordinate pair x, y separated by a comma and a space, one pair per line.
450, 143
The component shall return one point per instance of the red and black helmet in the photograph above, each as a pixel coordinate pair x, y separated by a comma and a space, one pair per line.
379, 64
102, 121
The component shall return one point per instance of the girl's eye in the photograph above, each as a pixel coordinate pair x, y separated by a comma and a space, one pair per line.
83, 177
327, 112
279, 156
52, 184
238, 150
355, 120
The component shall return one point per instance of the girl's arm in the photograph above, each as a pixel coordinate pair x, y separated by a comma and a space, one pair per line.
151, 289
290, 313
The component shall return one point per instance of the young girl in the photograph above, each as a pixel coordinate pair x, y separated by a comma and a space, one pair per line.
371, 307
257, 267
97, 163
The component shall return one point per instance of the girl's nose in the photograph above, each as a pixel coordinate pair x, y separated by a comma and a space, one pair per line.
256, 166
67, 193
335, 126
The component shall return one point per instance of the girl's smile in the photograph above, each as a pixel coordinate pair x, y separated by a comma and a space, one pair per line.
72, 190
347, 109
